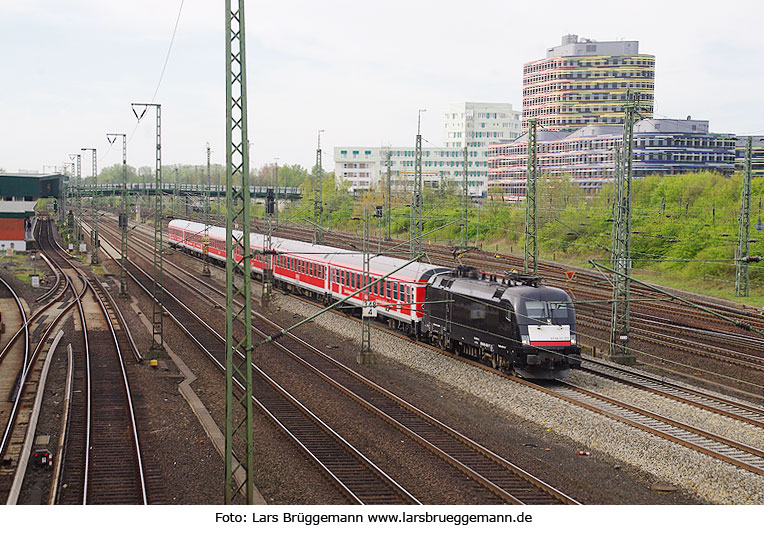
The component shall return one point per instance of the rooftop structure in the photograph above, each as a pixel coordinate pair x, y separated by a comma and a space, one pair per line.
29, 186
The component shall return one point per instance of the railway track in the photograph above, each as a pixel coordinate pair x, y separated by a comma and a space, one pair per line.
719, 447
505, 481
102, 461
26, 375
666, 331
716, 446
713, 403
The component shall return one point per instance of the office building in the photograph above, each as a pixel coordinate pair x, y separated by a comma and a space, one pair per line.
587, 155
476, 123
583, 82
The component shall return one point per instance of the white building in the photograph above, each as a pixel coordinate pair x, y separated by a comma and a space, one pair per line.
481, 124
362, 167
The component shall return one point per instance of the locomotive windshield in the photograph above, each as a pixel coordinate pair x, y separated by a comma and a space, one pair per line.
543, 312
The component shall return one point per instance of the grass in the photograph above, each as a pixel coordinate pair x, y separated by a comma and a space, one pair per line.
724, 289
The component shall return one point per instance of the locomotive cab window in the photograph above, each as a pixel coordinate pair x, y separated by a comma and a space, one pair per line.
560, 310
544, 312
535, 310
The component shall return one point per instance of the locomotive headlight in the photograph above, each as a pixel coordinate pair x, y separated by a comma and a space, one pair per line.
573, 339
525, 339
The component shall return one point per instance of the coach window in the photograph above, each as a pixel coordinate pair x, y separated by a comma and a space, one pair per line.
388, 289
395, 290
342, 277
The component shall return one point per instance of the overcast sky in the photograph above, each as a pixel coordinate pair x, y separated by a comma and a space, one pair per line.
358, 70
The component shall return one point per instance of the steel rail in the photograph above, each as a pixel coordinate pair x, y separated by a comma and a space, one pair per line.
128, 395
459, 464
402, 495
734, 409
55, 286
133, 427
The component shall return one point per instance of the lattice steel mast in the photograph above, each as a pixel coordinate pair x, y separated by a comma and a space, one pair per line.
239, 440
157, 329
78, 201
465, 198
621, 241
365, 356
93, 211
742, 271
123, 217
276, 202
206, 237
388, 199
64, 192
416, 197
267, 294
530, 265
318, 206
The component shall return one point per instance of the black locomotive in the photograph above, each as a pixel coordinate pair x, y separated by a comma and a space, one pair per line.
513, 323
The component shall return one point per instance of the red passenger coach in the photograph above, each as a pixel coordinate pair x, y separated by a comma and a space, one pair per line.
325, 272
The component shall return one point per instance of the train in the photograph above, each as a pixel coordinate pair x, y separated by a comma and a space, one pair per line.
511, 322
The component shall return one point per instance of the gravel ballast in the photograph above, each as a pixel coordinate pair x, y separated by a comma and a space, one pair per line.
711, 480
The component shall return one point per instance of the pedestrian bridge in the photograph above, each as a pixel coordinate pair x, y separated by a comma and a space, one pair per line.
181, 189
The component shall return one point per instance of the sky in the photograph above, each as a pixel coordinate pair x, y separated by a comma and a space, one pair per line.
358, 70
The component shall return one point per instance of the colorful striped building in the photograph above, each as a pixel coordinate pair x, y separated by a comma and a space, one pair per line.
584, 82
757, 155
587, 155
